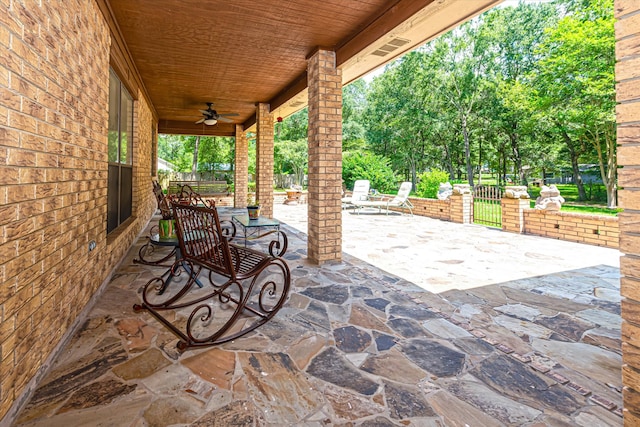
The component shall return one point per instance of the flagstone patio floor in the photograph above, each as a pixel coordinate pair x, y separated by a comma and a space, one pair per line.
423, 323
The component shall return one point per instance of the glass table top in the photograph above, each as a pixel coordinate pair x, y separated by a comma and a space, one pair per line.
260, 222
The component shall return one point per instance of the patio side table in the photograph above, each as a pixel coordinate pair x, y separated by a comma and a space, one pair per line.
253, 229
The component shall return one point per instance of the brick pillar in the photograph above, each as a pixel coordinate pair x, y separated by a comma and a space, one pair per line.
264, 159
461, 208
241, 177
513, 214
628, 118
325, 158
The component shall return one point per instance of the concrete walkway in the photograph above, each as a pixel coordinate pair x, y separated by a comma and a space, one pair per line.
424, 323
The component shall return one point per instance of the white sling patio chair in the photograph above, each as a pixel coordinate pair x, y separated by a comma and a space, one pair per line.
400, 201
360, 192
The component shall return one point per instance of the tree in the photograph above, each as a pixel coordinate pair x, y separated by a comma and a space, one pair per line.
460, 79
173, 148
292, 157
353, 105
576, 86
510, 36
293, 127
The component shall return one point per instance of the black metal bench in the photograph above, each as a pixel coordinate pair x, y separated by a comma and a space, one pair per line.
243, 288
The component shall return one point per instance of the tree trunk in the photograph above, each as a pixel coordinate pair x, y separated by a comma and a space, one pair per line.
575, 169
575, 172
412, 171
480, 163
194, 165
467, 150
517, 158
449, 162
608, 171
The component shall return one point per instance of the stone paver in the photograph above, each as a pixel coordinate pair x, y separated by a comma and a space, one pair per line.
424, 323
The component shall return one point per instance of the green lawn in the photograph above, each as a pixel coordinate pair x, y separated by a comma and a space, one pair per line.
596, 205
586, 209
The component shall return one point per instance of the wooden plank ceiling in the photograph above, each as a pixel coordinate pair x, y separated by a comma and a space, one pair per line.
241, 52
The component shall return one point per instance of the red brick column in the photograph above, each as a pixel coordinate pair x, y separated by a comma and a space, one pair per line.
461, 208
513, 214
628, 117
241, 177
264, 159
325, 158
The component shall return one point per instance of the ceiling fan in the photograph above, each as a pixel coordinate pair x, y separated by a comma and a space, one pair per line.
210, 116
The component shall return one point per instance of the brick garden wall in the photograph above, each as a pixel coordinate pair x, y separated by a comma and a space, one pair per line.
432, 208
597, 230
54, 81
517, 217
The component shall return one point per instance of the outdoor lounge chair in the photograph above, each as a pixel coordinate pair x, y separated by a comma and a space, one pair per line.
400, 201
359, 193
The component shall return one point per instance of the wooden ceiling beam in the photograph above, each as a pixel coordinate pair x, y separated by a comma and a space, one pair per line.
394, 16
384, 23
295, 87
175, 127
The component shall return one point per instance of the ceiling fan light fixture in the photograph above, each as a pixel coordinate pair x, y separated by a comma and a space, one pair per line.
210, 122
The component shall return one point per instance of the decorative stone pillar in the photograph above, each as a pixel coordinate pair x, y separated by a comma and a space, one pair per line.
461, 208
325, 158
264, 159
241, 176
549, 199
628, 118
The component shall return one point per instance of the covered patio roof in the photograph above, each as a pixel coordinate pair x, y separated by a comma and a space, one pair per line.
237, 54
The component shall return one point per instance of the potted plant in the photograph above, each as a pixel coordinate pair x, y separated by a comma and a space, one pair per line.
253, 209
167, 225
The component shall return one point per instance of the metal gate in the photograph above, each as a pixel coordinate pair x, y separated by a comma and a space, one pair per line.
487, 209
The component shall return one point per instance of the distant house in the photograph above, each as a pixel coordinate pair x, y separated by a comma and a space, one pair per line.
163, 165
590, 174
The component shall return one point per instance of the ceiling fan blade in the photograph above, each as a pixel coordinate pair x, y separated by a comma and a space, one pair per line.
230, 115
224, 119
200, 121
207, 112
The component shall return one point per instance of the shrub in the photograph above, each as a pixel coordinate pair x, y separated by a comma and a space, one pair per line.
429, 182
358, 165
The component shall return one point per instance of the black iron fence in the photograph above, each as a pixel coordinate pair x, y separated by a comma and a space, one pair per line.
487, 209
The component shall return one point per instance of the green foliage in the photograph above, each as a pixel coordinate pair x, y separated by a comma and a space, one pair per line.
596, 193
376, 169
293, 127
215, 152
430, 182
291, 157
353, 105
519, 91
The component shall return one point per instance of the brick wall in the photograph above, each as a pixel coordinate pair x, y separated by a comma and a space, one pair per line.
597, 230
325, 158
517, 217
627, 13
432, 208
513, 214
54, 80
